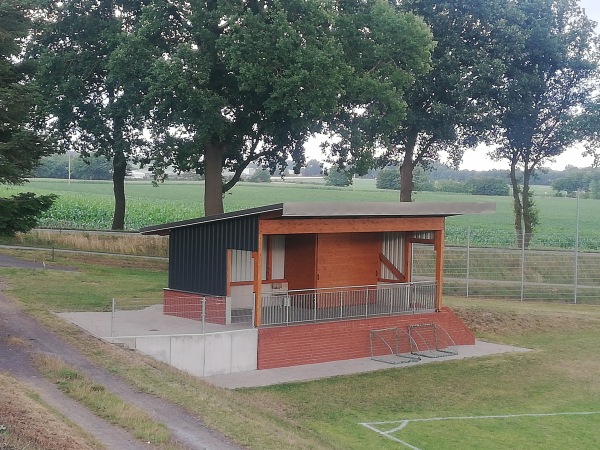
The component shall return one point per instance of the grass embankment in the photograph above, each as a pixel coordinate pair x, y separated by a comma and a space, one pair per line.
559, 375
27, 423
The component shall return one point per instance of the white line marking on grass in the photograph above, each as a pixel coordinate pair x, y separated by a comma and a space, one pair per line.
405, 422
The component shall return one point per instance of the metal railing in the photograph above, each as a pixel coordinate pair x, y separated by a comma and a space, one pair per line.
312, 305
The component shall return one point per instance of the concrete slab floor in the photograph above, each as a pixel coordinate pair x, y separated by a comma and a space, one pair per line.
146, 321
267, 377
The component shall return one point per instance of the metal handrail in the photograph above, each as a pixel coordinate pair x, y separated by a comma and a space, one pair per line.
313, 305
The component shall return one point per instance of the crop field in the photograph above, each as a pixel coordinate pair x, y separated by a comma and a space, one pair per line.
89, 205
548, 397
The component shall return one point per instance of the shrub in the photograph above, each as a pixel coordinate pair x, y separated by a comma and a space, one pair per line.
487, 186
388, 179
337, 177
456, 187
260, 176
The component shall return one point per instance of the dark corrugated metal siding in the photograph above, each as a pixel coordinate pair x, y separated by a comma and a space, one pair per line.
198, 253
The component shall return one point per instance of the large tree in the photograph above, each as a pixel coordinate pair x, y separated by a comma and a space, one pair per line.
586, 128
387, 49
446, 108
20, 148
86, 106
550, 67
238, 82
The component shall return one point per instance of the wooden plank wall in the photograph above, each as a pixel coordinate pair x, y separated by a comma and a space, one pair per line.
348, 259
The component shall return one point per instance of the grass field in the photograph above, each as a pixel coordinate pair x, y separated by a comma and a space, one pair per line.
559, 375
88, 205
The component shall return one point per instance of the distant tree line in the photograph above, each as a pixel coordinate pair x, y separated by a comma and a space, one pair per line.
57, 166
585, 181
477, 185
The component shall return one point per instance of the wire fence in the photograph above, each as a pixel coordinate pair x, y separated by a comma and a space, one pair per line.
517, 272
172, 316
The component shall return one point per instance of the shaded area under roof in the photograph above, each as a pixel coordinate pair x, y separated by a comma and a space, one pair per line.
339, 210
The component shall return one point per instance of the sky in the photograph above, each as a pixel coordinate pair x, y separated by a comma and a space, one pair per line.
477, 159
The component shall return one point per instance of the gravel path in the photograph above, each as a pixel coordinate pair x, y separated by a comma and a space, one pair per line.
188, 432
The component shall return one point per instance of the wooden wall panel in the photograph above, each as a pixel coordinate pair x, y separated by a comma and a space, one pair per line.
348, 259
300, 257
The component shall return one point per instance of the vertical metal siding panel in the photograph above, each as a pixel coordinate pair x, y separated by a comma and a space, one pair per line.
198, 253
241, 265
278, 256
425, 235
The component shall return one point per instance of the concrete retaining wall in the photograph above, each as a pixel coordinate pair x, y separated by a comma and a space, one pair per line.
202, 355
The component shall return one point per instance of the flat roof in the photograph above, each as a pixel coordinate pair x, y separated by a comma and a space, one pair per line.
339, 210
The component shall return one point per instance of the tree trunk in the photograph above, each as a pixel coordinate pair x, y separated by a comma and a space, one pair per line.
517, 204
527, 208
213, 181
119, 171
406, 170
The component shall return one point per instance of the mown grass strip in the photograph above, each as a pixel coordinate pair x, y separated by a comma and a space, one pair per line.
101, 401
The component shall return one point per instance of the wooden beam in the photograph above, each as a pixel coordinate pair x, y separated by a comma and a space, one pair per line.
439, 266
350, 225
421, 241
408, 260
386, 280
387, 263
269, 271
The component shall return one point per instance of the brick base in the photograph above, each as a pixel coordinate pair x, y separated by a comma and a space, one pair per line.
334, 341
189, 306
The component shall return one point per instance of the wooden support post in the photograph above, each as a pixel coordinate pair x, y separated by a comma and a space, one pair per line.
257, 256
439, 267
408, 259
269, 256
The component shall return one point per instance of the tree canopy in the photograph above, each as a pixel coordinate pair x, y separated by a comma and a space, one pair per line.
20, 148
445, 108
550, 58
232, 83
86, 105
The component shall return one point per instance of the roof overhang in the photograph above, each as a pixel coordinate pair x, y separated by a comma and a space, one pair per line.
339, 210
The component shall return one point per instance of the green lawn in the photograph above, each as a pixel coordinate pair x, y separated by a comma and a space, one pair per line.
559, 375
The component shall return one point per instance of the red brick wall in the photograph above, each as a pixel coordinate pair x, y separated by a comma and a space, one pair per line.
339, 340
189, 306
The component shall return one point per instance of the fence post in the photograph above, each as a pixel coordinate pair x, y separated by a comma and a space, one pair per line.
468, 257
522, 265
576, 281
203, 312
112, 318
253, 309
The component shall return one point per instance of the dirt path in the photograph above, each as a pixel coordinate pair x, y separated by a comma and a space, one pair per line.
188, 432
